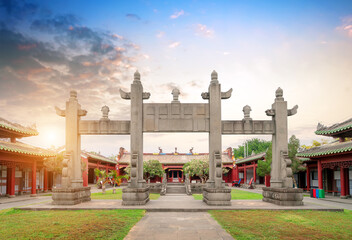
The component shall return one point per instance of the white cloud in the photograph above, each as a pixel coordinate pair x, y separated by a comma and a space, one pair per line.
177, 14
204, 31
346, 26
174, 44
160, 34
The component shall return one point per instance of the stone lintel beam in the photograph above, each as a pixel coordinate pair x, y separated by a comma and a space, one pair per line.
247, 127
104, 127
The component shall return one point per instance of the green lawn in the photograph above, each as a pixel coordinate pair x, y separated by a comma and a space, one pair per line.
74, 224
118, 195
237, 194
300, 224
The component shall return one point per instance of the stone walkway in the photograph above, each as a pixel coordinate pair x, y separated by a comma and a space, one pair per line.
177, 225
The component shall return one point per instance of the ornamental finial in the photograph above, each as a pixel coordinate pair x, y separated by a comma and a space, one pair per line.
73, 94
137, 76
214, 77
105, 111
279, 93
247, 111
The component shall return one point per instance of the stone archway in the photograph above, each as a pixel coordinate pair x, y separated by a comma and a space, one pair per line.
178, 117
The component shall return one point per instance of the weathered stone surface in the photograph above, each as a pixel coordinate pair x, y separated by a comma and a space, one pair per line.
283, 196
135, 196
217, 196
70, 196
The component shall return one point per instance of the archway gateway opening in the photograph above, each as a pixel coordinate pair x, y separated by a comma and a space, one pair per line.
177, 117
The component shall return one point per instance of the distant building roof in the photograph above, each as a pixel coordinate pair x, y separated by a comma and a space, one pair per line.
9, 129
25, 149
327, 149
98, 157
169, 158
251, 158
343, 129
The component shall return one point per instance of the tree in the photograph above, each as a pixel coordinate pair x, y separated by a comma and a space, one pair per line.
54, 164
103, 178
152, 168
254, 145
197, 167
316, 143
297, 165
264, 167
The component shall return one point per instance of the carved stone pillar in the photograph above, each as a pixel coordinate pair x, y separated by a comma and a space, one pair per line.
280, 191
72, 190
137, 193
215, 193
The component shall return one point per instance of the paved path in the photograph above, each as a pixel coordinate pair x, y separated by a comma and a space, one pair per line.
180, 203
177, 225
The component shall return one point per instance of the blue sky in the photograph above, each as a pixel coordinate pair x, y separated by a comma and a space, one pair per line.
50, 47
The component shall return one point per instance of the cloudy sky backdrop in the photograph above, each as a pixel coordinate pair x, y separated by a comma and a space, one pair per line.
48, 48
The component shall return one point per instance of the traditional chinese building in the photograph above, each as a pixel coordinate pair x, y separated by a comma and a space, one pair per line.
93, 160
21, 165
329, 166
173, 163
246, 169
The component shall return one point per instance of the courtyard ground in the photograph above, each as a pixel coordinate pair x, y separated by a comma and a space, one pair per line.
78, 224
300, 224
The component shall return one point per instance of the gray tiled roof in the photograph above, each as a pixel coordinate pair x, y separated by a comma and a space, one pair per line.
174, 159
99, 157
251, 158
327, 149
336, 129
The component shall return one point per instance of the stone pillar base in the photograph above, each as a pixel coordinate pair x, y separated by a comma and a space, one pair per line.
10, 196
33, 195
135, 196
217, 196
70, 196
283, 196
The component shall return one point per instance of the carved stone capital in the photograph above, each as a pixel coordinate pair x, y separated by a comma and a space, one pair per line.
146, 95
226, 95
82, 112
125, 95
60, 112
292, 111
270, 112
205, 95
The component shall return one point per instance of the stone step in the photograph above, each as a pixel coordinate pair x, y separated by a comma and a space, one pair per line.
175, 189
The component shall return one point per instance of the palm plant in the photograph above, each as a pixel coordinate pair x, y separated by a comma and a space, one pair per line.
116, 179
102, 178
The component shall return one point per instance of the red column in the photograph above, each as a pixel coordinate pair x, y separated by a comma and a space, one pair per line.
11, 179
308, 178
254, 173
245, 175
343, 182
8, 180
320, 175
45, 180
85, 172
34, 179
233, 174
267, 180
